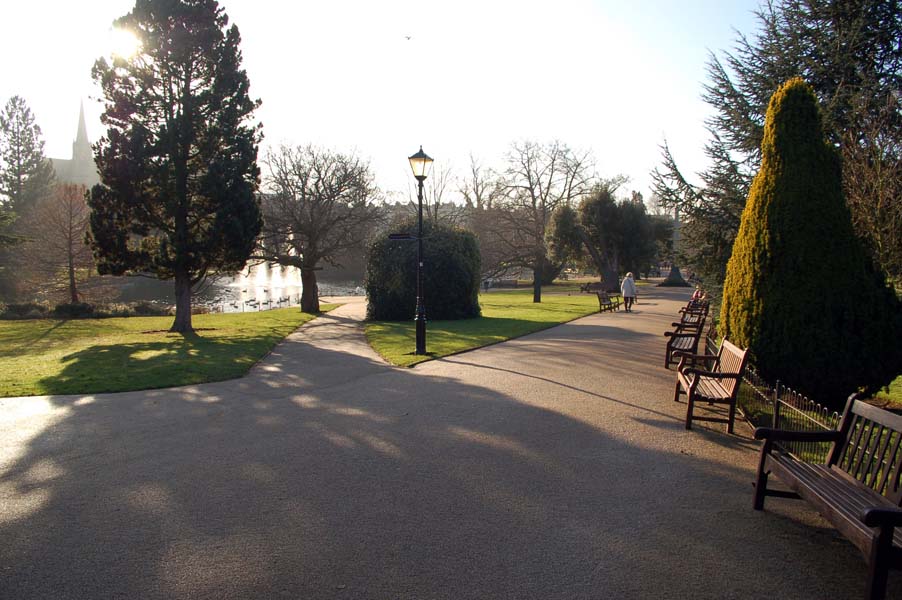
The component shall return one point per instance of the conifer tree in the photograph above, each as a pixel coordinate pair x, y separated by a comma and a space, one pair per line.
800, 290
178, 163
849, 51
25, 174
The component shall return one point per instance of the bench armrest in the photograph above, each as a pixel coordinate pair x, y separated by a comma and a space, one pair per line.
711, 374
786, 435
681, 334
687, 325
690, 356
881, 517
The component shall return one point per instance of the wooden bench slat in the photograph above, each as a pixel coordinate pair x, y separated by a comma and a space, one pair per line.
861, 473
730, 361
890, 472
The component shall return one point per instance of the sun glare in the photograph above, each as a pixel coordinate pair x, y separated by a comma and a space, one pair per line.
123, 43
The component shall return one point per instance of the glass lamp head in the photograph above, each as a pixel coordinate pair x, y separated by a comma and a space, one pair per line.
419, 164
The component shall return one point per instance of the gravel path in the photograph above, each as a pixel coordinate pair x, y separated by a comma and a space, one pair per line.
554, 466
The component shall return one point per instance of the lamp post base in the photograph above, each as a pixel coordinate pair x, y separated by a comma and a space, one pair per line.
420, 322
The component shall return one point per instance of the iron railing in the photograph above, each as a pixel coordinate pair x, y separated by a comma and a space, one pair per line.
780, 407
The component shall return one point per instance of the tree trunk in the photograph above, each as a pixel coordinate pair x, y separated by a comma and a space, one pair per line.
73, 291
537, 278
182, 323
609, 277
310, 293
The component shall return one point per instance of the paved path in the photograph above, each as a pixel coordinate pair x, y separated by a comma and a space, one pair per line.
555, 466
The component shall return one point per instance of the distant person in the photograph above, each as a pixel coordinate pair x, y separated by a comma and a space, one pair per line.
628, 290
485, 285
698, 294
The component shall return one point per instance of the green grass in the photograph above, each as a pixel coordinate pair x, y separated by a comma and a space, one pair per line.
892, 396
113, 355
505, 315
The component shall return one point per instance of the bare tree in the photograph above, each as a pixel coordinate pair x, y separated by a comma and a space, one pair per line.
54, 260
321, 204
436, 204
872, 174
538, 179
481, 187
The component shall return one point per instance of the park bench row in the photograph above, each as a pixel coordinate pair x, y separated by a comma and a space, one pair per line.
859, 487
711, 379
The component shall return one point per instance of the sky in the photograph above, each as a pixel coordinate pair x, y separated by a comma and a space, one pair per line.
382, 77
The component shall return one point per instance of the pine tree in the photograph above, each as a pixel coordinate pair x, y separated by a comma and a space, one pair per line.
178, 164
800, 291
25, 174
849, 51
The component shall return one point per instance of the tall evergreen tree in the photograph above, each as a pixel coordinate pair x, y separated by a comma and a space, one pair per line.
800, 290
849, 51
178, 163
25, 173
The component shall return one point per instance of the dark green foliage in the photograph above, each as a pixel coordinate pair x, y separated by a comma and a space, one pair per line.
637, 238
849, 51
25, 174
26, 310
179, 160
617, 235
800, 290
451, 273
73, 310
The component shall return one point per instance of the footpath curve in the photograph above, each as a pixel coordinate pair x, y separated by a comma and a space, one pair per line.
554, 466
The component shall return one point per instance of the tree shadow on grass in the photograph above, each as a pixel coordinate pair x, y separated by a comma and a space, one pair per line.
181, 360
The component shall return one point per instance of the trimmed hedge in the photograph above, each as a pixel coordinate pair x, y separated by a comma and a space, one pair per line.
800, 291
451, 267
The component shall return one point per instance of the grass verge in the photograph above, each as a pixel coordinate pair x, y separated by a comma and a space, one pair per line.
88, 356
505, 315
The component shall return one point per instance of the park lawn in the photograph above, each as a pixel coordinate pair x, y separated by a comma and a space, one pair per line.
84, 356
505, 315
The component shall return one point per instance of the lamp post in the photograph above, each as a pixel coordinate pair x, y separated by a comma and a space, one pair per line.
420, 163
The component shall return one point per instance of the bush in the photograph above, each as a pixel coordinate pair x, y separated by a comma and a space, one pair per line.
149, 309
800, 291
73, 310
27, 310
451, 267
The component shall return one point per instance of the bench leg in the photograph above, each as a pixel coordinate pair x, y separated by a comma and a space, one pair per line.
690, 401
732, 416
676, 392
761, 479
879, 563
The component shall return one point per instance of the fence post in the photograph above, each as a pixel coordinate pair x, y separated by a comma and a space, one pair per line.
777, 405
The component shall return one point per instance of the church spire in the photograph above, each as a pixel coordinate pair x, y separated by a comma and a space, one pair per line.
81, 138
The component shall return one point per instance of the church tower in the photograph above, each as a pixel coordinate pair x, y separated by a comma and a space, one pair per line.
80, 169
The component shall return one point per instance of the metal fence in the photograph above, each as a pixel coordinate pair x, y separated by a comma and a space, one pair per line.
780, 407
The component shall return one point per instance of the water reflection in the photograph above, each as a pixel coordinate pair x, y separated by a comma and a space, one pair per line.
264, 286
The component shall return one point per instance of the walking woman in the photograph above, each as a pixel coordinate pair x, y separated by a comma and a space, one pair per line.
628, 290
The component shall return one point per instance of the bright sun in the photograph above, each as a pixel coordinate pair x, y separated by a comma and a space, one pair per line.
123, 43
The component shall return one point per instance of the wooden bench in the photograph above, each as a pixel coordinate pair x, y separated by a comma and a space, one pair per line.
858, 489
608, 302
683, 339
592, 286
718, 384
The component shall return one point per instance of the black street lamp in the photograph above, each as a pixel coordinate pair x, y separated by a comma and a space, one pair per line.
420, 163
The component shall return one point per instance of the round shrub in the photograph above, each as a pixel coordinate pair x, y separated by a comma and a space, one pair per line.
451, 267
800, 291
149, 309
26, 310
73, 310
